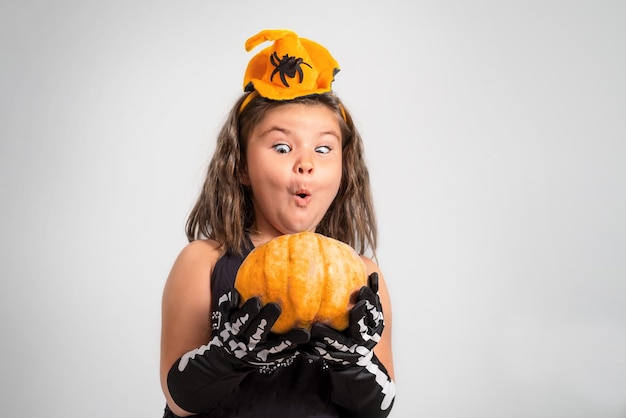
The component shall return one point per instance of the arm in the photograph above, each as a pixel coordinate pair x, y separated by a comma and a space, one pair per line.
186, 308
359, 360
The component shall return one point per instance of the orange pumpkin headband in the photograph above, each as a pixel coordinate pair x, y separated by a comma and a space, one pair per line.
292, 67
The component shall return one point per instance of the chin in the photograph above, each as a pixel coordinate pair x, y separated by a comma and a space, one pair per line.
296, 229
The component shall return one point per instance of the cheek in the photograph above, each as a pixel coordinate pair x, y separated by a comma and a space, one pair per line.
256, 166
265, 177
337, 174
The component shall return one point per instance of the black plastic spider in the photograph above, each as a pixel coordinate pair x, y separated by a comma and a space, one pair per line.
287, 66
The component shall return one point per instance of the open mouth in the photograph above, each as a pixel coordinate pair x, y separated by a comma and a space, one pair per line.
303, 197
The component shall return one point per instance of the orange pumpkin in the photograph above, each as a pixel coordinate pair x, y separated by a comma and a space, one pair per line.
312, 277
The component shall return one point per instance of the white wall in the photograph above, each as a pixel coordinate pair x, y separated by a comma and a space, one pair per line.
496, 137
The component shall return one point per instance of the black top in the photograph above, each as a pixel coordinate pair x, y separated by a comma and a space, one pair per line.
299, 390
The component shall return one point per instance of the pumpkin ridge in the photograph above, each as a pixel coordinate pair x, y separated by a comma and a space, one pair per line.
277, 268
326, 278
259, 259
321, 266
306, 276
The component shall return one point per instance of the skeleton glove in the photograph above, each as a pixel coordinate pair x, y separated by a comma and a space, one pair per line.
360, 382
246, 336
241, 343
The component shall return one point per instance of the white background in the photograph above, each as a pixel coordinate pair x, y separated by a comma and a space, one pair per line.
496, 138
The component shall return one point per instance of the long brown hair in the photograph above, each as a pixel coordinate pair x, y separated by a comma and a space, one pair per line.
224, 210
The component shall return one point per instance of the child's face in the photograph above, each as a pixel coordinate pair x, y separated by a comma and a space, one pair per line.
294, 167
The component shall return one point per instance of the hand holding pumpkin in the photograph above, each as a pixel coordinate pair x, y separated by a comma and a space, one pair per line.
360, 382
355, 345
245, 332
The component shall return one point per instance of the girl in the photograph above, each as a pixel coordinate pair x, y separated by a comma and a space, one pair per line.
288, 159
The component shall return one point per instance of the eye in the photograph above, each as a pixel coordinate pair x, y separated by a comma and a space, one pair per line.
282, 148
324, 149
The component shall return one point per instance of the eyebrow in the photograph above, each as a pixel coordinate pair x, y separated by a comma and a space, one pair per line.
274, 128
287, 132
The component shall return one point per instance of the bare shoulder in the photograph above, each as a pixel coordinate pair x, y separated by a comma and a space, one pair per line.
370, 265
201, 251
195, 260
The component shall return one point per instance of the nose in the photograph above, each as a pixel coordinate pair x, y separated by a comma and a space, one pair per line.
305, 168
304, 165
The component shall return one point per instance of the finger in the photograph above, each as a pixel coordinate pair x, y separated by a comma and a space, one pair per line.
322, 335
366, 323
224, 303
358, 319
279, 346
373, 302
333, 357
367, 303
297, 336
269, 313
241, 318
372, 280
280, 342
260, 325
340, 354
234, 298
366, 292
320, 331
